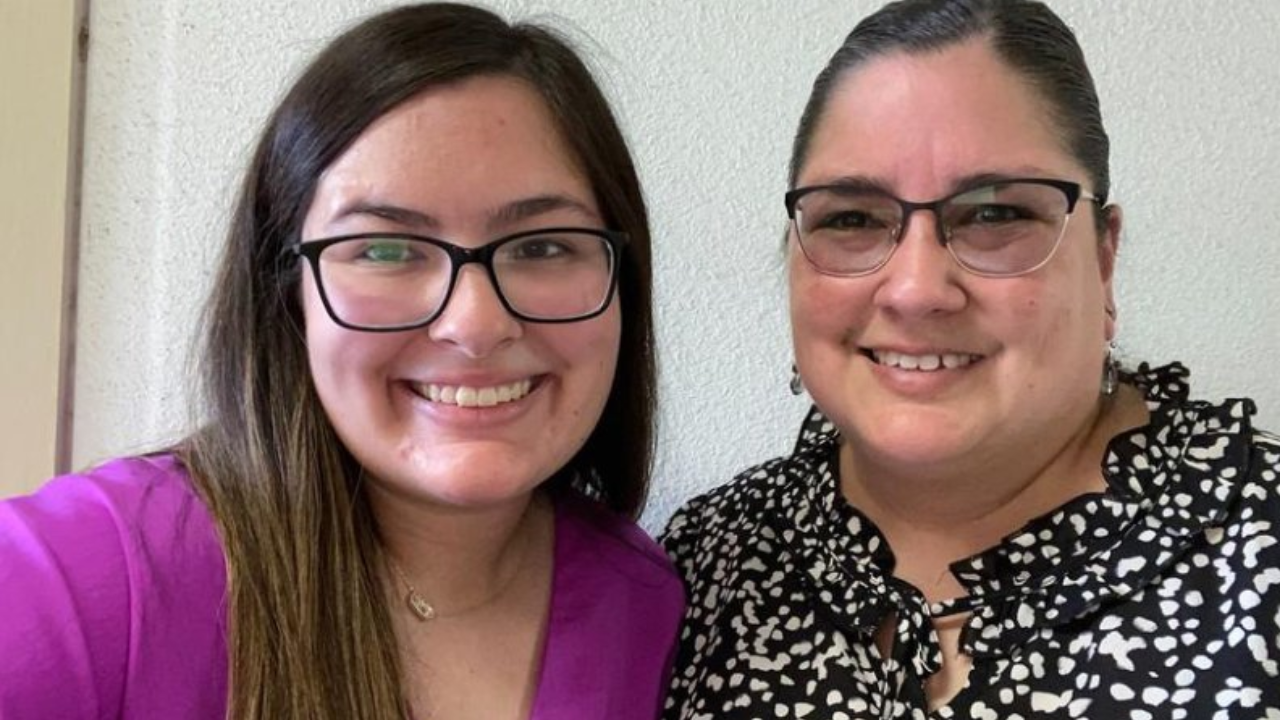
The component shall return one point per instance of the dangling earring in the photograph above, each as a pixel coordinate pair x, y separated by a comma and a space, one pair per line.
797, 385
1110, 372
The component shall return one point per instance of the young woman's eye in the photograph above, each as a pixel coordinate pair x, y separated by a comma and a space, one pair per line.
387, 252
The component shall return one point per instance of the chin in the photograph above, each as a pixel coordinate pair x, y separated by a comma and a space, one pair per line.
475, 476
479, 497
469, 490
908, 439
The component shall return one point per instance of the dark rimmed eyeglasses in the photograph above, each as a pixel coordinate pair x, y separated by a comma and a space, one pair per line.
385, 282
1003, 228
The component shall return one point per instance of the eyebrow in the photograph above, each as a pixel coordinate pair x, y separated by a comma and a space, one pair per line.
394, 213
538, 205
508, 214
866, 183
976, 180
856, 183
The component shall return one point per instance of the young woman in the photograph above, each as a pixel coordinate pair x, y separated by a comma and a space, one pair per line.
429, 385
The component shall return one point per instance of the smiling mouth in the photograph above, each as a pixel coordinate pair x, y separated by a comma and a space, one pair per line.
921, 363
468, 396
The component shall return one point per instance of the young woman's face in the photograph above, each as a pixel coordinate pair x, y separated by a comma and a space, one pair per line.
478, 407
922, 363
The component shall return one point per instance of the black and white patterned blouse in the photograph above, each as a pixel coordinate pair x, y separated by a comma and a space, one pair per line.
1159, 598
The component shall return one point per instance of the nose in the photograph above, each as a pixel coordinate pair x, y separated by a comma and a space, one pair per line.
921, 279
474, 319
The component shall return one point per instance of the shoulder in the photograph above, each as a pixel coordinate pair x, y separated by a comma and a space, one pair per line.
615, 586
612, 543
126, 506
1226, 485
1267, 449
746, 502
120, 504
111, 563
157, 482
1214, 461
1262, 483
616, 605
706, 522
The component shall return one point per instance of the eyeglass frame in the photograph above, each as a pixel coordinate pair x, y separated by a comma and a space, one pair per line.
460, 256
1073, 191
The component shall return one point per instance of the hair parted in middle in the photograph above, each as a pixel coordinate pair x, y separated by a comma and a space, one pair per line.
1025, 34
310, 635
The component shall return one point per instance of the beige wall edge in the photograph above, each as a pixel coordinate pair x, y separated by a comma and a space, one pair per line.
40, 130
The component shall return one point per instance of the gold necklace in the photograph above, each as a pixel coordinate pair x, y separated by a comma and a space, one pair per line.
422, 609
425, 611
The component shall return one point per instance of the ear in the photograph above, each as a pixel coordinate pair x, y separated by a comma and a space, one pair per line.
1108, 252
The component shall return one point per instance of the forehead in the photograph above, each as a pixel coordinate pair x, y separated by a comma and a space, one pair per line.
457, 151
461, 118
919, 121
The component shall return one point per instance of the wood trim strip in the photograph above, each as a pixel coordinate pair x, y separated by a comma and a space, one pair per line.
65, 438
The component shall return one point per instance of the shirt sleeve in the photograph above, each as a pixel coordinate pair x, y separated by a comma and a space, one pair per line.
64, 604
681, 537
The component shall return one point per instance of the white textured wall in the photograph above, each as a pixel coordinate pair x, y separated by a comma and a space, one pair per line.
709, 94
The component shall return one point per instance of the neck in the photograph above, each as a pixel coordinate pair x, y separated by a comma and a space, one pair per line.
460, 558
933, 516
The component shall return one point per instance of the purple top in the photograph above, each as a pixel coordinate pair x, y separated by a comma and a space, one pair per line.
113, 590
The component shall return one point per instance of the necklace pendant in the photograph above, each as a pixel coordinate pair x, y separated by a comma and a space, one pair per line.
420, 606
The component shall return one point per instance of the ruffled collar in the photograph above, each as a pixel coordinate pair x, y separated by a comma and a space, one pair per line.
1162, 492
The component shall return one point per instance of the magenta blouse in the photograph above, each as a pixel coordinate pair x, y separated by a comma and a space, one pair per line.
113, 605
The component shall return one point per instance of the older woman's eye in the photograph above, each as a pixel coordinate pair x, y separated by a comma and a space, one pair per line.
849, 220
994, 215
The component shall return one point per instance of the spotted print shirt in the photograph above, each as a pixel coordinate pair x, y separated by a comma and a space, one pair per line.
1158, 598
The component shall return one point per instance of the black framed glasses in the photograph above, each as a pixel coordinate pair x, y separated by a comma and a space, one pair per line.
1003, 228
384, 282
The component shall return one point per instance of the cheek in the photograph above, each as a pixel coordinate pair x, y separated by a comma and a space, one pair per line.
803, 297
317, 327
314, 316
343, 361
1050, 320
826, 309
588, 350
605, 351
323, 342
600, 346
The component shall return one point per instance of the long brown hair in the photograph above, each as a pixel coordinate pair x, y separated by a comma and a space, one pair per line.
309, 630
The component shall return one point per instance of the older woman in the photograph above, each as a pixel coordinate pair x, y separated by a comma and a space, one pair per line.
982, 517
429, 381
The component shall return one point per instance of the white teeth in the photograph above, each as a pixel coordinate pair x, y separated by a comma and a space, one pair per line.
923, 363
465, 396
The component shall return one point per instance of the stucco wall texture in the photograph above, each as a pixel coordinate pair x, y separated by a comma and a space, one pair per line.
709, 94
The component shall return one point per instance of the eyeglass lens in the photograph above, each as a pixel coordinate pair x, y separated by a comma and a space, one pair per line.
1002, 229
383, 282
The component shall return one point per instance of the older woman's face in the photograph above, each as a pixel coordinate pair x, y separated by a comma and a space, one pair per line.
1030, 347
